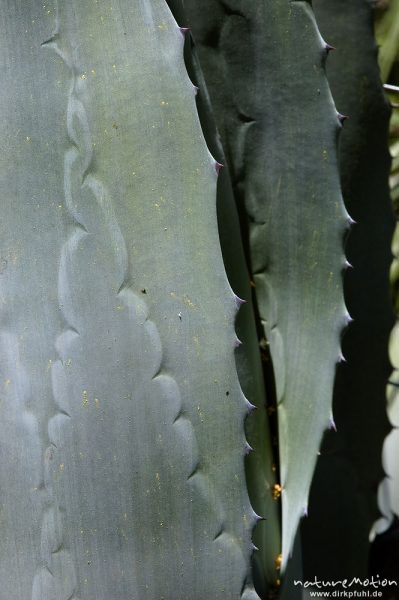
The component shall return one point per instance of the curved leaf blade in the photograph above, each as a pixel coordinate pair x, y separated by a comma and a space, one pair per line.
279, 127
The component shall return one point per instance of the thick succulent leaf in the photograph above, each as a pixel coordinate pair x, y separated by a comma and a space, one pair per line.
336, 535
122, 430
264, 64
261, 462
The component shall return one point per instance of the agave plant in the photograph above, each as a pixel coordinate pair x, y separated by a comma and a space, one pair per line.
172, 254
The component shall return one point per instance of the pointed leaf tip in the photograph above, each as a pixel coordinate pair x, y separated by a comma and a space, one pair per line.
332, 424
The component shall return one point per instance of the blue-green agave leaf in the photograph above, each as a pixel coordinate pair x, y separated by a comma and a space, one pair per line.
122, 430
261, 462
264, 65
350, 460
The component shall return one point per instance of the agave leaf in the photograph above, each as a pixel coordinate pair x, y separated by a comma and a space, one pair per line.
261, 462
351, 459
264, 64
120, 386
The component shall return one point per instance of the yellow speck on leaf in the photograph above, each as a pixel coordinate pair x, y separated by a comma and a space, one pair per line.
188, 302
85, 398
277, 489
278, 561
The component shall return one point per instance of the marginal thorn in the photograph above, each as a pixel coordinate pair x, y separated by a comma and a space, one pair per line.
237, 343
248, 449
257, 518
185, 30
250, 407
348, 265
254, 548
305, 512
333, 425
196, 89
342, 118
341, 358
218, 166
329, 48
240, 301
351, 221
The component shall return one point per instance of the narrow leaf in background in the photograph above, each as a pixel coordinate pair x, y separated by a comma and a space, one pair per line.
343, 502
